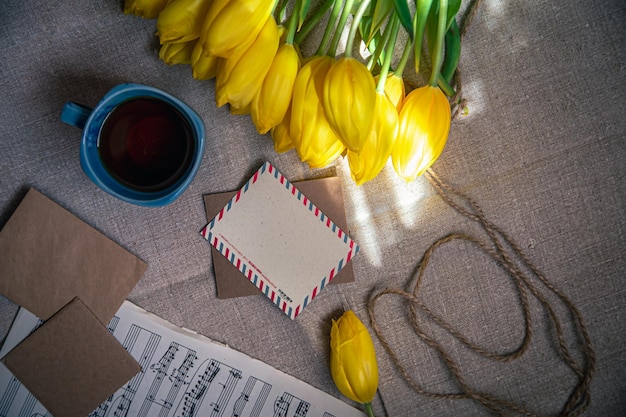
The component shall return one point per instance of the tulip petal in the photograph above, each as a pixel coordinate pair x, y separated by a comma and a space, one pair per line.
176, 53
349, 96
280, 134
274, 97
181, 20
240, 76
203, 67
148, 9
423, 127
367, 164
235, 23
315, 141
353, 358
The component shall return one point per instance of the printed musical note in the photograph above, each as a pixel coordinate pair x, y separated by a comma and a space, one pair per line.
182, 374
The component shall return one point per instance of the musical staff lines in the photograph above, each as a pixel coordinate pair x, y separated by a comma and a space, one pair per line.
167, 383
183, 374
288, 403
254, 388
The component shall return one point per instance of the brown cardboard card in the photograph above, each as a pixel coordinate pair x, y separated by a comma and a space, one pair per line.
71, 363
49, 256
325, 193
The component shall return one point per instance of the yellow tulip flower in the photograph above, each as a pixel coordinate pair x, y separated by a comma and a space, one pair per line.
280, 134
375, 153
274, 97
349, 96
423, 127
233, 23
176, 53
315, 141
203, 67
323, 147
240, 76
181, 20
148, 9
353, 359
395, 89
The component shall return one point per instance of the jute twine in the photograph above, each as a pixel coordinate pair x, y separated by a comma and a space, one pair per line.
529, 282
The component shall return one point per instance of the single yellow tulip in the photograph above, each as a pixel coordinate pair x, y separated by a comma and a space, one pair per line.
181, 20
274, 97
353, 359
203, 67
240, 76
368, 163
176, 53
423, 127
233, 23
280, 134
395, 89
349, 96
315, 141
148, 9
323, 147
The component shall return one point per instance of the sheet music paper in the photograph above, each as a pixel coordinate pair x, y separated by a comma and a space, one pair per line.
183, 375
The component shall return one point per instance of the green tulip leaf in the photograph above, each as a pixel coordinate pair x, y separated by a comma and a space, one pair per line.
422, 11
404, 14
381, 14
452, 52
432, 21
453, 9
280, 10
305, 5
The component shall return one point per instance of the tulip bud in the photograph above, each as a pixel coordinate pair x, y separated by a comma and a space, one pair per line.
181, 20
233, 23
274, 97
280, 134
176, 53
375, 153
395, 89
203, 67
423, 127
240, 76
349, 96
315, 141
353, 359
148, 9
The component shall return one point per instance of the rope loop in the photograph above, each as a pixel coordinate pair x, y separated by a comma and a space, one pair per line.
528, 281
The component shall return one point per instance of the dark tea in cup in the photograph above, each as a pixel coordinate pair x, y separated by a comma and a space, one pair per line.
146, 144
139, 144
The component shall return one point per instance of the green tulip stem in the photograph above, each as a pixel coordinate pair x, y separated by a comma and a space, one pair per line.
332, 51
408, 48
292, 24
334, 14
382, 78
313, 21
437, 60
355, 25
369, 410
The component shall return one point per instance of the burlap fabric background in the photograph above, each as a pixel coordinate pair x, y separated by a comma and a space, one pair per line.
542, 151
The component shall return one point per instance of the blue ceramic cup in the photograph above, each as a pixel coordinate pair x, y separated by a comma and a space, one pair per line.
139, 144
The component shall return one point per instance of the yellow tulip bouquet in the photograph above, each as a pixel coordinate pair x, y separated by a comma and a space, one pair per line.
329, 103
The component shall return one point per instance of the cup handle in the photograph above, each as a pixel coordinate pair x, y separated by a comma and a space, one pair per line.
75, 114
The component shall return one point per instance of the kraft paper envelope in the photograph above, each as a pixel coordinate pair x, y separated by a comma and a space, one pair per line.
49, 256
72, 362
326, 193
280, 240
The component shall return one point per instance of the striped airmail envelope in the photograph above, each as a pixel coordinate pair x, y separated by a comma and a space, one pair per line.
277, 238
